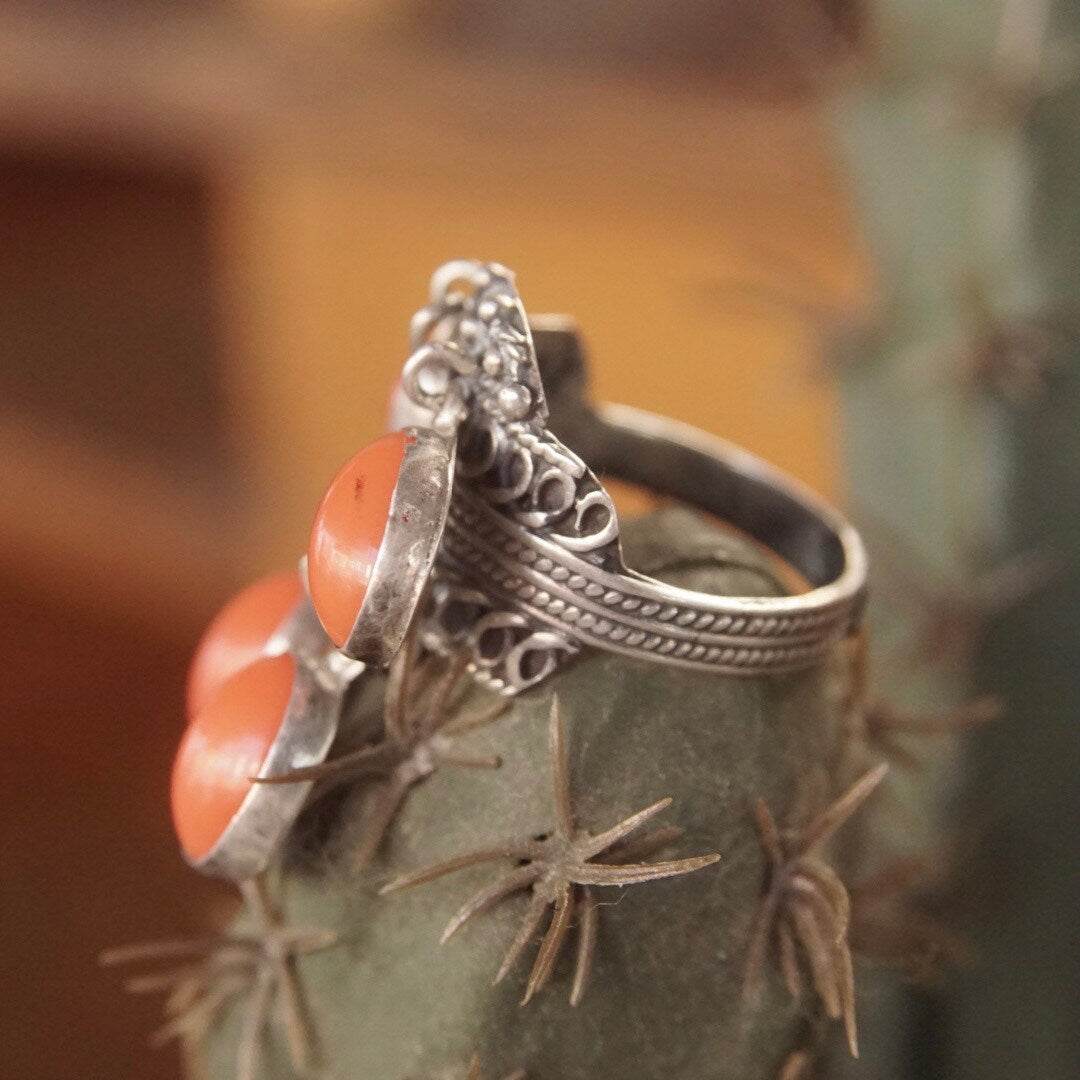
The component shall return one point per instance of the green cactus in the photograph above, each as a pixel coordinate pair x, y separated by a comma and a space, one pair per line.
960, 421
667, 990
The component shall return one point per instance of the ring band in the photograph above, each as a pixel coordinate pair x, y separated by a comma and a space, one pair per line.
528, 568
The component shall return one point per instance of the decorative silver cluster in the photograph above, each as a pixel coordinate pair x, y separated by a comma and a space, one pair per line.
475, 370
473, 347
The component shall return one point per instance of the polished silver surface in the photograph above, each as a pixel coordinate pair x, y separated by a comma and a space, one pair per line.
413, 532
257, 829
530, 568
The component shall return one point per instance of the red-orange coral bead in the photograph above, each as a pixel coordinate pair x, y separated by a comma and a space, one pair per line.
349, 527
239, 634
224, 747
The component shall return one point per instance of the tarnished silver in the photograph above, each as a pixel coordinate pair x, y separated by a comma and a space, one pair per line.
257, 829
409, 546
529, 568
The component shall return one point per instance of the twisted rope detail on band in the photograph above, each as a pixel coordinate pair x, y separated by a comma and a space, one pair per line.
580, 601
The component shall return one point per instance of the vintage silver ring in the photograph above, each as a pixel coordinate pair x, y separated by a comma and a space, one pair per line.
501, 539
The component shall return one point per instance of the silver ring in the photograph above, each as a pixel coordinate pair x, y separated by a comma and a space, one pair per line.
517, 552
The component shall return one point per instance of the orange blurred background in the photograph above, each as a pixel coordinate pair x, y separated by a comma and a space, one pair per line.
215, 222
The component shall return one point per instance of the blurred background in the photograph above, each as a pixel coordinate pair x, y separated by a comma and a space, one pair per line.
842, 233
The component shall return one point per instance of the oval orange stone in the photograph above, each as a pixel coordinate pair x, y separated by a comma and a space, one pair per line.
349, 527
224, 747
239, 634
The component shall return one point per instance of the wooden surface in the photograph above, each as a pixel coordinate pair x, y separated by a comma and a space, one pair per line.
702, 243
702, 240
90, 714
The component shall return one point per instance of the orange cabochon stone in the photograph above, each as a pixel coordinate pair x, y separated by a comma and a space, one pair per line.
349, 527
239, 634
224, 746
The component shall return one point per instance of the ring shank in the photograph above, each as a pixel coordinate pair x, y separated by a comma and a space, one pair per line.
624, 611
721, 479
560, 597
704, 471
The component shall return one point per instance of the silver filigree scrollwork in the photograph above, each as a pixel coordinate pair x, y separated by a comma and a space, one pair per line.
509, 652
474, 369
